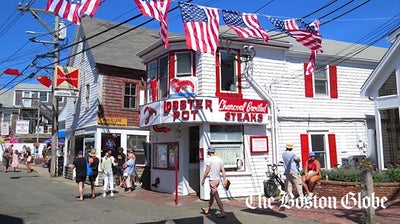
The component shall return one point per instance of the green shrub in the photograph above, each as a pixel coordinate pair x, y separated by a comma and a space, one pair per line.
352, 174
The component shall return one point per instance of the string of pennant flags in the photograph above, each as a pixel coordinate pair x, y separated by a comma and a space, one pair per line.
201, 25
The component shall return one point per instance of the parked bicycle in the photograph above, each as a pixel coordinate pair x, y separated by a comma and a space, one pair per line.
271, 186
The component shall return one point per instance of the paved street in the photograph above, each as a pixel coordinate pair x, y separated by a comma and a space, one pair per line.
37, 198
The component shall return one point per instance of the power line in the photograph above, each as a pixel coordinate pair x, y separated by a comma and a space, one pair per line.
95, 35
113, 27
347, 12
111, 38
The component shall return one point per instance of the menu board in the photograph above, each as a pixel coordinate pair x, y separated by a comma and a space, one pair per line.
230, 154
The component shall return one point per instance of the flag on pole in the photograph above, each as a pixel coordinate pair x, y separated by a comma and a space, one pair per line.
158, 10
201, 25
244, 24
73, 10
309, 36
12, 71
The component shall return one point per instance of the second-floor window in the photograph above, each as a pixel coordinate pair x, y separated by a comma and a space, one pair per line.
163, 71
322, 83
183, 64
130, 95
43, 97
26, 99
228, 74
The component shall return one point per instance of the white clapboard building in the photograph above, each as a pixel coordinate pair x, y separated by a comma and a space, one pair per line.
248, 101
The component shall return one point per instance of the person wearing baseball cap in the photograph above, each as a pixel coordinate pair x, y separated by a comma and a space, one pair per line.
290, 163
312, 174
214, 168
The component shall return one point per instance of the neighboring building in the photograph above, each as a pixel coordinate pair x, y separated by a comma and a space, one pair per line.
26, 113
382, 86
249, 101
105, 116
28, 106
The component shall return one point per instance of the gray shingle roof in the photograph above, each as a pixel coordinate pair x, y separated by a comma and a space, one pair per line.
122, 50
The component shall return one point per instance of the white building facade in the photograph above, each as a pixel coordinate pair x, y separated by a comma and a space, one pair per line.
248, 101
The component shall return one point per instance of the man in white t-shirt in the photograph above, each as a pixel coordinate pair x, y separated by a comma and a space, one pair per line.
214, 168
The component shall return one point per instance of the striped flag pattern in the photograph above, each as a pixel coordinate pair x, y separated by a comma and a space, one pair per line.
157, 9
309, 36
201, 25
244, 24
73, 10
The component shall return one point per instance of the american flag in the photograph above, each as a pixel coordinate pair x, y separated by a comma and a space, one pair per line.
201, 26
158, 10
73, 10
311, 63
309, 37
244, 24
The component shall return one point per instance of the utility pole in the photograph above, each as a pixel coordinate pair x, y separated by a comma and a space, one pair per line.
55, 33
54, 142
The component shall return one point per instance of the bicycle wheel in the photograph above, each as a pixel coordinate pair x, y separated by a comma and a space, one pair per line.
270, 188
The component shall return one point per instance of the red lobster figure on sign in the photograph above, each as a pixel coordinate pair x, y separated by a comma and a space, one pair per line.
151, 111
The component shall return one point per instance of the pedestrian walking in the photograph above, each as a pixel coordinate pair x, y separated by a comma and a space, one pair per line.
29, 160
79, 164
290, 163
15, 161
129, 172
120, 158
215, 167
6, 160
106, 165
94, 164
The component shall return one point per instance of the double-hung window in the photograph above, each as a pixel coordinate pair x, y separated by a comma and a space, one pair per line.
322, 83
130, 95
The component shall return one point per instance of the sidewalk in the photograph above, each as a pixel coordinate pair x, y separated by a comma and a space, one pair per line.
340, 215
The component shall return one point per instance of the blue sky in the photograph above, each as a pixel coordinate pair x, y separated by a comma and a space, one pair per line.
363, 25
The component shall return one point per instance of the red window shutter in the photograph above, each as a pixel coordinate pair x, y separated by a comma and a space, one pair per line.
304, 148
308, 83
333, 81
332, 149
